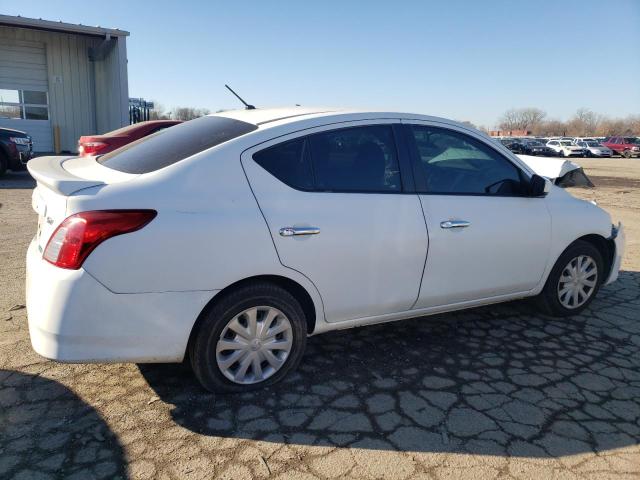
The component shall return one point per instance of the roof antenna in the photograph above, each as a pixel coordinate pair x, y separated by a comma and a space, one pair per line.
246, 105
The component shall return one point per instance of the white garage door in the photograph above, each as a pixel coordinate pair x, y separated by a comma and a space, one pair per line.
24, 103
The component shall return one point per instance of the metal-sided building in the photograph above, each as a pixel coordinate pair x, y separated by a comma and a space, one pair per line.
59, 81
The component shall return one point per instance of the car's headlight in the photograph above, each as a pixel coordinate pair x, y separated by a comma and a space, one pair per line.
19, 140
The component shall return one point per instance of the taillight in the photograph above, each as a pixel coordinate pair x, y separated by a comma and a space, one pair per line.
91, 148
79, 234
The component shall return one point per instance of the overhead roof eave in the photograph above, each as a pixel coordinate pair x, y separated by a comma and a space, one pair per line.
50, 26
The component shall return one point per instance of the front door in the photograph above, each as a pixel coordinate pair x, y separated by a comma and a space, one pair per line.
334, 203
486, 237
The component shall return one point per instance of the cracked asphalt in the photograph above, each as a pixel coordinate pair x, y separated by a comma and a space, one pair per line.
499, 392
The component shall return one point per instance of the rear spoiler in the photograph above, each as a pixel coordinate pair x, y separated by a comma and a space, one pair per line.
49, 171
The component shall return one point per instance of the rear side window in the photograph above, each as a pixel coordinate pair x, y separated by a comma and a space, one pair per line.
359, 159
169, 146
288, 162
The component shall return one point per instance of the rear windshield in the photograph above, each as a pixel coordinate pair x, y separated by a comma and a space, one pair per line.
173, 144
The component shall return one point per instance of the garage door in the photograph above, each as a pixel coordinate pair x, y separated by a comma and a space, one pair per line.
24, 102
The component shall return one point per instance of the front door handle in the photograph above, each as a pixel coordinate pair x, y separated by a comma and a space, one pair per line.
293, 231
454, 224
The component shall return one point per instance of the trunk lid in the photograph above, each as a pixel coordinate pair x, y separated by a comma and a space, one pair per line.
58, 178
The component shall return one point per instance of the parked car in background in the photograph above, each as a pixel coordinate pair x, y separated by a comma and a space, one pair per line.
100, 144
16, 149
565, 148
513, 144
626, 146
594, 148
585, 139
534, 147
229, 239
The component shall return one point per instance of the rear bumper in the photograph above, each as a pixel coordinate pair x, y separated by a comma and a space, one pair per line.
618, 238
74, 318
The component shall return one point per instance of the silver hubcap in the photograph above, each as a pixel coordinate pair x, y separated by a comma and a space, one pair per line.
254, 345
577, 282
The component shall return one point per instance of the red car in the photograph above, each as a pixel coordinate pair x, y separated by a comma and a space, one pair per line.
625, 146
89, 145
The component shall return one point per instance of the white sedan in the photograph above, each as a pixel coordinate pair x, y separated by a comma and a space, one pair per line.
566, 148
231, 238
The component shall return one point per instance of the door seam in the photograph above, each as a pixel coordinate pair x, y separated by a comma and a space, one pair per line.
426, 255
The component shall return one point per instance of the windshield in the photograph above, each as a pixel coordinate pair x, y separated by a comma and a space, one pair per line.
630, 140
565, 143
535, 143
174, 144
593, 144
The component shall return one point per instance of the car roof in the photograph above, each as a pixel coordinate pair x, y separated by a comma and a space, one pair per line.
282, 116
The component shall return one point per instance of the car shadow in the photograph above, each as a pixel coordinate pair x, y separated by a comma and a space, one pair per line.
499, 380
46, 431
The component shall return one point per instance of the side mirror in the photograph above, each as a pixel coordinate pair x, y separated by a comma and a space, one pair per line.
538, 186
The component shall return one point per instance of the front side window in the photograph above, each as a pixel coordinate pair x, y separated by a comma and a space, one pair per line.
24, 104
455, 163
358, 159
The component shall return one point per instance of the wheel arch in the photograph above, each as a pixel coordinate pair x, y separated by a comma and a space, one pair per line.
605, 246
294, 288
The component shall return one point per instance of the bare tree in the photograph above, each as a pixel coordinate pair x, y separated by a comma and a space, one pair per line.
521, 118
188, 113
158, 112
584, 123
550, 128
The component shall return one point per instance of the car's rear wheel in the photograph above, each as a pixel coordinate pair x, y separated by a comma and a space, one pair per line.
573, 282
251, 338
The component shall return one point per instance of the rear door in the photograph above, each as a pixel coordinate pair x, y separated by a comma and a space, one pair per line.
486, 237
335, 205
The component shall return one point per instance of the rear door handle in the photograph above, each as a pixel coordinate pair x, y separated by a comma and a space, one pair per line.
293, 231
454, 224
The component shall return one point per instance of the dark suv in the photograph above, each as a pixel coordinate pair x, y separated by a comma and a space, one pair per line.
16, 149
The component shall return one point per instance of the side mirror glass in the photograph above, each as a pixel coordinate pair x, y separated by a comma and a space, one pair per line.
538, 186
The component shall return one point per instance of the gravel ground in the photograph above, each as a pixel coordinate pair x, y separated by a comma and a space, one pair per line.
496, 392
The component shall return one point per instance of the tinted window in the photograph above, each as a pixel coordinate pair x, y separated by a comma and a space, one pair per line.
174, 144
288, 162
359, 159
455, 163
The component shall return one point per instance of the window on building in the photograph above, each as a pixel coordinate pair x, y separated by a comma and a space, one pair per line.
24, 104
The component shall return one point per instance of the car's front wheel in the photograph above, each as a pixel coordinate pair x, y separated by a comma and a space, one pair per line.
249, 339
573, 282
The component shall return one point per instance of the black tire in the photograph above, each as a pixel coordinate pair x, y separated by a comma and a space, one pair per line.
3, 164
202, 348
548, 300
626, 154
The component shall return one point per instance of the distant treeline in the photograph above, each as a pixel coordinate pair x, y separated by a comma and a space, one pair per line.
583, 124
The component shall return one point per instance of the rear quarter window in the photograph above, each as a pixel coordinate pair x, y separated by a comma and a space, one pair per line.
171, 145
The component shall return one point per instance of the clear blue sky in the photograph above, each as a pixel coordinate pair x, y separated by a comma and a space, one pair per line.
467, 60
